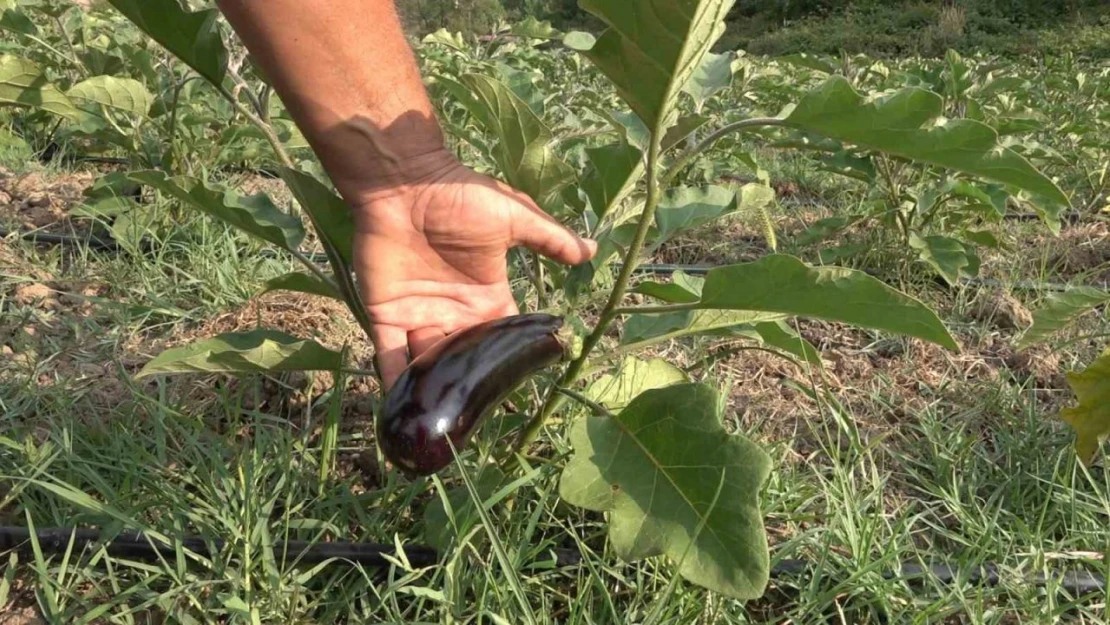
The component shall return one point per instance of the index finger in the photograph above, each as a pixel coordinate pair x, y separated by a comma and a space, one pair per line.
391, 352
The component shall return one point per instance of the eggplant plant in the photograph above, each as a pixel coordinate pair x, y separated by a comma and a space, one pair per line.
651, 446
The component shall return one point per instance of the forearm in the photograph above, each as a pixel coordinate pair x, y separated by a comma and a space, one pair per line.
349, 78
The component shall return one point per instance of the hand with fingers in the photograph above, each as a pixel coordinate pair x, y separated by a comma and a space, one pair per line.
430, 258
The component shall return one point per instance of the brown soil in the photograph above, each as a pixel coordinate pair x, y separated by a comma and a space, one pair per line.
1083, 250
40, 201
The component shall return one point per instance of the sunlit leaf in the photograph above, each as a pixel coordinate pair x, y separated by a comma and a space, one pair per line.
22, 83
899, 124
331, 217
650, 51
675, 483
632, 377
784, 284
125, 95
244, 352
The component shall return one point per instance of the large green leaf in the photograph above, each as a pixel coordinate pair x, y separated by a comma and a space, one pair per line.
192, 37
784, 284
899, 124
244, 352
330, 215
22, 83
633, 377
675, 483
613, 173
256, 215
524, 151
651, 49
1091, 418
684, 208
1060, 311
301, 283
125, 95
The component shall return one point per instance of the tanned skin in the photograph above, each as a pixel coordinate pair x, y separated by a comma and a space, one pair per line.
431, 235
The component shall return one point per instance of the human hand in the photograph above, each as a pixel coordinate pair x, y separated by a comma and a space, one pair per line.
430, 257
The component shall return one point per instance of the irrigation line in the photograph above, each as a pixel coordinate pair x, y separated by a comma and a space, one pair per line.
110, 245
137, 546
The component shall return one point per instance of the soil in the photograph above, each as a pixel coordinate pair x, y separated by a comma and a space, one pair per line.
1083, 250
41, 201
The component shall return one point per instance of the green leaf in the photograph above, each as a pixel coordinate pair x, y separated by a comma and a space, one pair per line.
192, 37
712, 75
524, 151
643, 330
22, 83
612, 175
634, 376
125, 95
256, 215
899, 125
301, 283
243, 352
671, 292
950, 257
685, 208
663, 469
1061, 310
1091, 418
445, 37
532, 28
784, 284
650, 51
17, 22
331, 217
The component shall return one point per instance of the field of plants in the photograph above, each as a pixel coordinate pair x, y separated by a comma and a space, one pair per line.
843, 355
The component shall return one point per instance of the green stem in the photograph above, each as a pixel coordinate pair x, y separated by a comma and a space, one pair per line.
609, 312
598, 409
315, 269
689, 155
266, 129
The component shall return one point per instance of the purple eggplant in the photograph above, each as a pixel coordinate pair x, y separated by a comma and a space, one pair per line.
448, 391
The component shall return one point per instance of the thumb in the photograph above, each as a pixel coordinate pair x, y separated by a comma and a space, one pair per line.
537, 231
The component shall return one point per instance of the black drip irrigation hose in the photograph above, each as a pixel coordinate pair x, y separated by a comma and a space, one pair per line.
110, 245
138, 546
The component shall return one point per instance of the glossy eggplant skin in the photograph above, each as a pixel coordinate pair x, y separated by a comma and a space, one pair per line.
448, 391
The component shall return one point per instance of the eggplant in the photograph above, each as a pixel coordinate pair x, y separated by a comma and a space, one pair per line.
445, 394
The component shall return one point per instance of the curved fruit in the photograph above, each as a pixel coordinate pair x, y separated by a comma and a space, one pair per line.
447, 392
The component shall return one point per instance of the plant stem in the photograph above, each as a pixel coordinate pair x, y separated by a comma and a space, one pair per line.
609, 313
689, 155
266, 129
315, 269
585, 401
